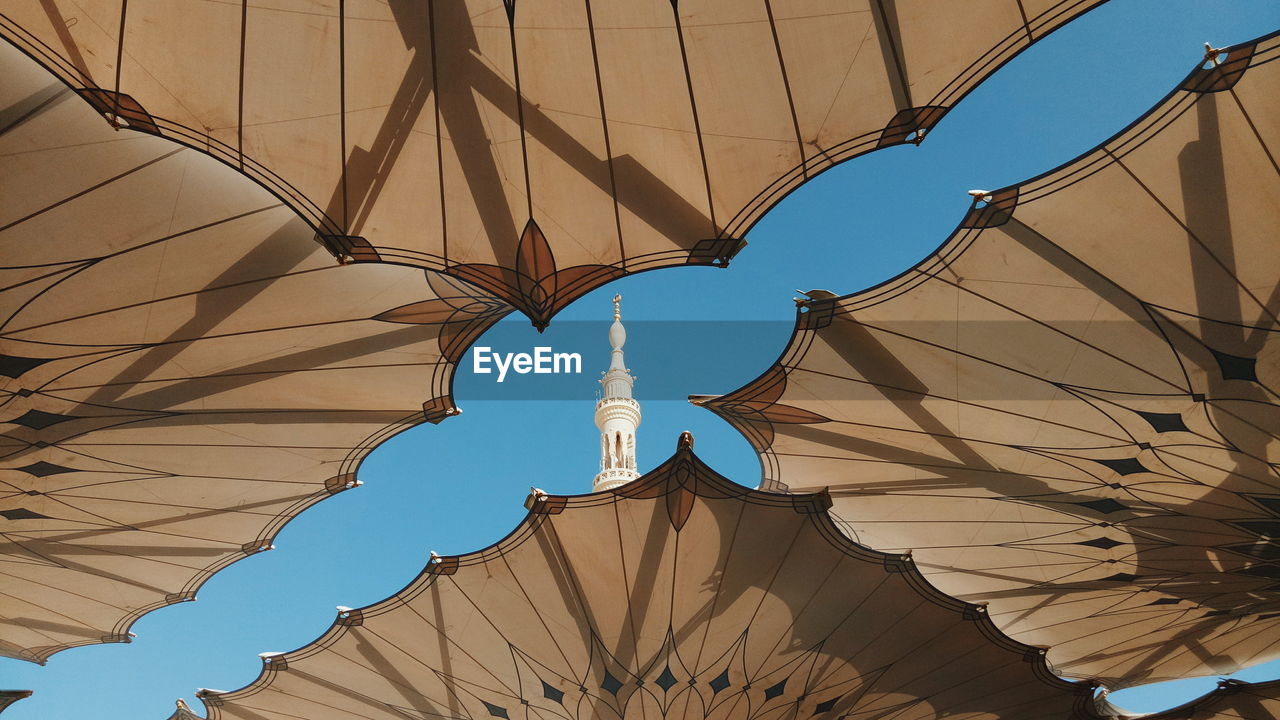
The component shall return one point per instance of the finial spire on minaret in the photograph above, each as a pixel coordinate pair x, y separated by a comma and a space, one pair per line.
617, 413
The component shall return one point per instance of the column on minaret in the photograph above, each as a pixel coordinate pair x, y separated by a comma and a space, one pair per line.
617, 413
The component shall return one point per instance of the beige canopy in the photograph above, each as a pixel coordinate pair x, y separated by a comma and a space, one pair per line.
183, 368
9, 697
1069, 409
680, 595
182, 712
537, 148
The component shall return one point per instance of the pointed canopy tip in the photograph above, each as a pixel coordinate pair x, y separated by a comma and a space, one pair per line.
670, 494
9, 697
183, 712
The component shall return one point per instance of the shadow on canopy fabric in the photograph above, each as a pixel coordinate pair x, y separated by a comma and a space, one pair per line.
679, 595
184, 369
9, 697
1069, 409
536, 149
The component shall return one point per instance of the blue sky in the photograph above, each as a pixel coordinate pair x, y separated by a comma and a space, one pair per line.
458, 486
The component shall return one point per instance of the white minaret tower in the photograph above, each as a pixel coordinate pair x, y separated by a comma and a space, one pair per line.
617, 414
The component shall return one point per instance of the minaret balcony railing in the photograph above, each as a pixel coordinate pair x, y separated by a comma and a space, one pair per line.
618, 401
609, 479
622, 409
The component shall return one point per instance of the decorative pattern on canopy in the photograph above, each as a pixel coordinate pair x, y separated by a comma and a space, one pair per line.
184, 369
536, 149
679, 595
1069, 410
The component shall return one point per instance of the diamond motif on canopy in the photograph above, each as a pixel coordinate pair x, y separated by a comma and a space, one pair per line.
195, 370
536, 149
679, 595
1072, 361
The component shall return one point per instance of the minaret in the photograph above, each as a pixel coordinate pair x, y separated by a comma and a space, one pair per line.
617, 414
